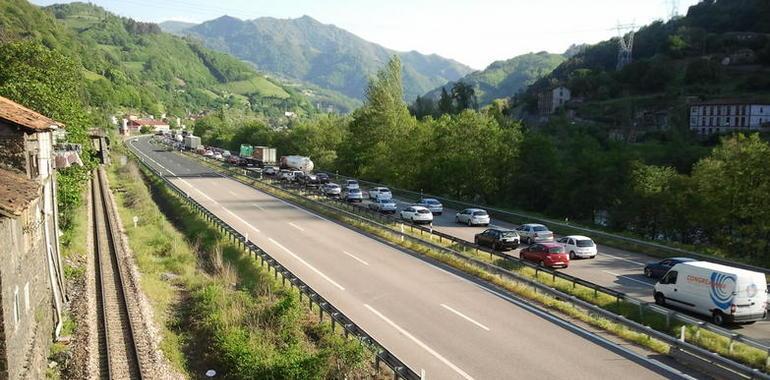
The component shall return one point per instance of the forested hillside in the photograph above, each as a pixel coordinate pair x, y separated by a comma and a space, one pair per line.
135, 66
719, 49
503, 79
325, 55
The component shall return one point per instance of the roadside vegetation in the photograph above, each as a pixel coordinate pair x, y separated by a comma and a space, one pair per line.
217, 308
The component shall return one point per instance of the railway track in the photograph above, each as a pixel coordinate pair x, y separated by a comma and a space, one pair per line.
118, 352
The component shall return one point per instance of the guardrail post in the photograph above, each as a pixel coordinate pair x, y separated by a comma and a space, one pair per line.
683, 334
767, 361
617, 303
731, 345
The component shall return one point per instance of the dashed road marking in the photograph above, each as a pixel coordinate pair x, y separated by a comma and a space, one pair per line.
356, 258
306, 264
467, 318
296, 226
628, 278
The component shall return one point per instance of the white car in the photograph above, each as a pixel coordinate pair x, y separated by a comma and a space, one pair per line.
432, 204
473, 217
351, 184
331, 189
579, 246
269, 170
380, 193
218, 156
417, 214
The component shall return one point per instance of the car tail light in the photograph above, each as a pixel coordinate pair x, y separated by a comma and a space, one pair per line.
733, 307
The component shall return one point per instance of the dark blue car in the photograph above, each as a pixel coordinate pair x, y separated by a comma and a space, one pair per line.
658, 269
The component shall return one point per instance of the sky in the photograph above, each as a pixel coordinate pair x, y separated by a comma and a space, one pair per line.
473, 32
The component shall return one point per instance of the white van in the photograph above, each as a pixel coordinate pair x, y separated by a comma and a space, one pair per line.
724, 293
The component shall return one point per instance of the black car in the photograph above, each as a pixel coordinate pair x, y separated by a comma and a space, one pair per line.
658, 269
323, 178
498, 239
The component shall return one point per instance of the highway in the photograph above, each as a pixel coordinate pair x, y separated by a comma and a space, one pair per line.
612, 268
433, 319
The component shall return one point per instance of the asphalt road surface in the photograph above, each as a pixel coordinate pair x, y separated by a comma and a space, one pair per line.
612, 268
434, 320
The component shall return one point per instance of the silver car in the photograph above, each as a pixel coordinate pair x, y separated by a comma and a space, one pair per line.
534, 233
387, 206
473, 217
380, 193
351, 184
431, 204
354, 195
331, 189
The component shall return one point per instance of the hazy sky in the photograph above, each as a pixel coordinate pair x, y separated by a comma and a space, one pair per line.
474, 32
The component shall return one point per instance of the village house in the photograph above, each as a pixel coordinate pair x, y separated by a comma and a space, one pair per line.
549, 101
724, 116
31, 281
132, 126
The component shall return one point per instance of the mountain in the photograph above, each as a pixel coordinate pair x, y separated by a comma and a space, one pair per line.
718, 50
331, 58
503, 79
175, 27
133, 66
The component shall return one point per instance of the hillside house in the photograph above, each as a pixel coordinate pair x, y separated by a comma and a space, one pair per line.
549, 101
133, 126
724, 116
31, 281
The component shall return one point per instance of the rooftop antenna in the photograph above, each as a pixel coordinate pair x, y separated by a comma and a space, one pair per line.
626, 44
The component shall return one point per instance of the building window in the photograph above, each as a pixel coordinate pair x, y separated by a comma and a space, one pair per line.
26, 297
16, 307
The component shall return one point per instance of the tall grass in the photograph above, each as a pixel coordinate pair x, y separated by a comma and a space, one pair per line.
218, 308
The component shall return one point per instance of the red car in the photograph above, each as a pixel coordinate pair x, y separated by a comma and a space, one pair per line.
550, 255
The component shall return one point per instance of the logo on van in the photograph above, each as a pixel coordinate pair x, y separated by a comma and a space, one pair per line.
722, 286
752, 290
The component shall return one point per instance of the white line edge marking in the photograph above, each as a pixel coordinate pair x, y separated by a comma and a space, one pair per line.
624, 259
628, 278
232, 193
296, 226
259, 207
306, 264
240, 219
467, 318
356, 258
419, 343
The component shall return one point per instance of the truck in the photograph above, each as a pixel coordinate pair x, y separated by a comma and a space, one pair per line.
297, 163
192, 142
723, 293
265, 154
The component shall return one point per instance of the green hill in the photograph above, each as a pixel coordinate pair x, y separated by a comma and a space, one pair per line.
720, 49
331, 58
135, 66
175, 27
503, 79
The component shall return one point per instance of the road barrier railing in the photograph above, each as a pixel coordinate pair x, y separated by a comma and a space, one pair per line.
382, 355
670, 316
567, 228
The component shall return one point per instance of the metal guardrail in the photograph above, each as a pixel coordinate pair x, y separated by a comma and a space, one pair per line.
365, 215
382, 355
512, 217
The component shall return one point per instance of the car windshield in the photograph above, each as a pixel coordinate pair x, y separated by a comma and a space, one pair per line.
508, 234
479, 213
351, 182
431, 202
556, 250
585, 243
539, 229
423, 211
354, 191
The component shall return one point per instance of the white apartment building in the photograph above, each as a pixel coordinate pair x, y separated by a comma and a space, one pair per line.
724, 116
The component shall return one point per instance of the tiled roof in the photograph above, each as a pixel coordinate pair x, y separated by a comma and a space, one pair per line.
15, 113
16, 192
147, 122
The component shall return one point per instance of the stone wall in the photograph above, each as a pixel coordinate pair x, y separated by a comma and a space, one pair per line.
26, 292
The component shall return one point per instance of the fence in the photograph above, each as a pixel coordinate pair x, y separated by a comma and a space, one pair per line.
382, 356
519, 218
385, 221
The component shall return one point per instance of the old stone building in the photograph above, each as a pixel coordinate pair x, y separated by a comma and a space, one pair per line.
31, 287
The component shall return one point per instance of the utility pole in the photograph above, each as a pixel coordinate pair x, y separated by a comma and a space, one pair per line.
626, 44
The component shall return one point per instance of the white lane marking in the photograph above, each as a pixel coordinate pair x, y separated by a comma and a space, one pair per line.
356, 258
624, 259
306, 264
296, 226
419, 343
467, 318
133, 142
628, 278
241, 219
299, 208
233, 194
259, 207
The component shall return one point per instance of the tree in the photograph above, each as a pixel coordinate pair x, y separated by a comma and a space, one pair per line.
464, 96
445, 103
